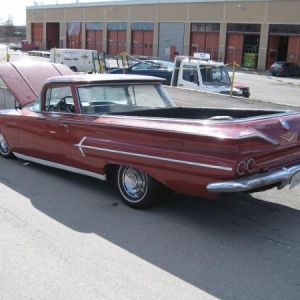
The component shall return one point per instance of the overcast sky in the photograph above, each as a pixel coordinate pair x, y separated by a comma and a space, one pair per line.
17, 8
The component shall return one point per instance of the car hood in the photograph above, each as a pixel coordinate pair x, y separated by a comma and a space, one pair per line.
239, 85
24, 79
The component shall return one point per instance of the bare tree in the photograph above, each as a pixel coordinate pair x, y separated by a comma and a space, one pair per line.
9, 26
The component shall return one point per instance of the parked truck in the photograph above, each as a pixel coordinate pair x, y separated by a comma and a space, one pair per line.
201, 73
24, 45
78, 60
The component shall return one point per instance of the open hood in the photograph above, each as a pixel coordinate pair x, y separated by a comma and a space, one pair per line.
24, 79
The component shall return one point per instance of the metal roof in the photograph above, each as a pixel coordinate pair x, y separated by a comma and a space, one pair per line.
135, 2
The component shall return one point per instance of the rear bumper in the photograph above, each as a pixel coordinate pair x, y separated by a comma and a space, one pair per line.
280, 177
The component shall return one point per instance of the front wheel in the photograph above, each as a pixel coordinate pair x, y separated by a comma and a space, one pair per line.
137, 189
4, 148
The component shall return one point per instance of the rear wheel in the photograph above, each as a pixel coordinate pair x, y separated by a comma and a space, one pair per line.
286, 73
4, 147
137, 189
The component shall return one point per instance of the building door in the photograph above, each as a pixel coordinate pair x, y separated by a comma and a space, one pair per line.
94, 36
52, 35
37, 34
205, 39
116, 38
242, 44
74, 39
284, 44
170, 34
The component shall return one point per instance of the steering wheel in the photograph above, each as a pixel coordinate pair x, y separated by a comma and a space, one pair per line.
63, 106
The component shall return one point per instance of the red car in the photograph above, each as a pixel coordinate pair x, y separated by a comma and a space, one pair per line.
126, 128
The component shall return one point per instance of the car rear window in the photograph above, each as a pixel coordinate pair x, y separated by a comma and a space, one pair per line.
278, 64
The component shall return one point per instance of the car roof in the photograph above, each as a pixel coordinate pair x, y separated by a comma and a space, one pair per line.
105, 78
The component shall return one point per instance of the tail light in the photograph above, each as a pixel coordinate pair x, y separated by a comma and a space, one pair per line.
245, 166
242, 168
250, 165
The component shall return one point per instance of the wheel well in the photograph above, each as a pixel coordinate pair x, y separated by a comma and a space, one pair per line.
73, 69
111, 171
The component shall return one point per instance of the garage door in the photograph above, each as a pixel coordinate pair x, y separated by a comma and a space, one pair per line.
170, 34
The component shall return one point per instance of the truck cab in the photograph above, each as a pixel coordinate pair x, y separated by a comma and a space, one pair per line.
201, 73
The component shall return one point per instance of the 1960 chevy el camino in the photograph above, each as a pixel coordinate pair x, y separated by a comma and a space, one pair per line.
127, 128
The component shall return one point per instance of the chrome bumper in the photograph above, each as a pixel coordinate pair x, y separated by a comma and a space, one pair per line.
282, 176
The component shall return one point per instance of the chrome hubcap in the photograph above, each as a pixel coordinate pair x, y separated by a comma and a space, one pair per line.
3, 144
134, 182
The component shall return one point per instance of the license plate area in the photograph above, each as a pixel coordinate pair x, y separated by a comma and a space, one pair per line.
295, 180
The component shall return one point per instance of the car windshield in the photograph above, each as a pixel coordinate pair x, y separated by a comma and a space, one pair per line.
215, 75
124, 97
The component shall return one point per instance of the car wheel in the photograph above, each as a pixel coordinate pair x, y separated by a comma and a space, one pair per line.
137, 189
286, 73
4, 148
246, 94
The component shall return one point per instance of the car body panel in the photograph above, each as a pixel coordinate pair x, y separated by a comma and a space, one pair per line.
25, 82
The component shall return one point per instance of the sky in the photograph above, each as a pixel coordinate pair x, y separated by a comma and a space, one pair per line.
17, 8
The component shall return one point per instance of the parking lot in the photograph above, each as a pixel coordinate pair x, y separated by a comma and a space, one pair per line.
66, 236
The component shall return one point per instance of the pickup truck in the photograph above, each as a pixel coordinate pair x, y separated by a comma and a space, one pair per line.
126, 129
24, 45
203, 74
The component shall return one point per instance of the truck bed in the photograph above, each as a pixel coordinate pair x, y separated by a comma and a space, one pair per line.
198, 113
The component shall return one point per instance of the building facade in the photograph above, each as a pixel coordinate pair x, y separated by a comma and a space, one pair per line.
253, 34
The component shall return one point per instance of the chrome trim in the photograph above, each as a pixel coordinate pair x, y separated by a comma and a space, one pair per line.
282, 176
80, 146
288, 139
59, 166
259, 136
276, 114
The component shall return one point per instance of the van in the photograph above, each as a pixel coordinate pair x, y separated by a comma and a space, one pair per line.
78, 60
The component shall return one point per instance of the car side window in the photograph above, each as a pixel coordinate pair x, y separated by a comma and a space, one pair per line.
189, 73
143, 66
59, 99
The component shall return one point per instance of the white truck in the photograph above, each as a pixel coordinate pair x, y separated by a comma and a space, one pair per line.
78, 60
201, 73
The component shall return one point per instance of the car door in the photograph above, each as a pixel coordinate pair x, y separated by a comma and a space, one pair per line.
45, 133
